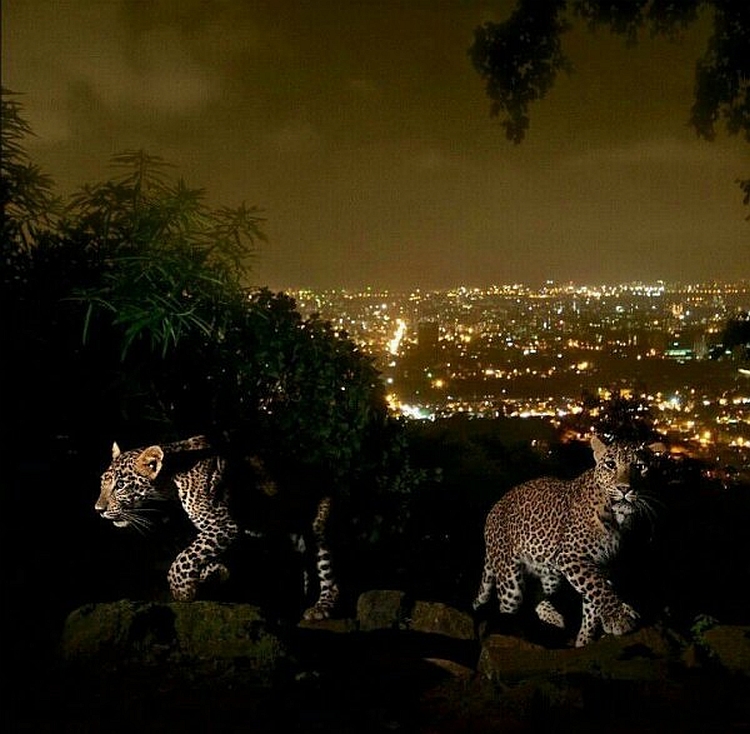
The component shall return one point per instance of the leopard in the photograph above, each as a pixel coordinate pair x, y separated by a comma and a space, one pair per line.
195, 472
555, 529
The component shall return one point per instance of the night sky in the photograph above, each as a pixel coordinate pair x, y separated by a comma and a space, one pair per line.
363, 132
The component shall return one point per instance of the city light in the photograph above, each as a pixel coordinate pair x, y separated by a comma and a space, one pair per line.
512, 350
395, 343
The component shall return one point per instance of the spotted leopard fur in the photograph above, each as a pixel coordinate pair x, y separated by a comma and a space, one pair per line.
556, 529
196, 474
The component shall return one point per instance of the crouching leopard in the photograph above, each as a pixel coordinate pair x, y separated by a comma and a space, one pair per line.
196, 473
555, 529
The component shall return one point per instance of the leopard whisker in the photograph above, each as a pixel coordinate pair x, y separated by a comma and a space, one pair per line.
137, 520
644, 507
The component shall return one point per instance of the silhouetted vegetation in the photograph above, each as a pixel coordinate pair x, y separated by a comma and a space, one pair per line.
736, 336
126, 317
519, 59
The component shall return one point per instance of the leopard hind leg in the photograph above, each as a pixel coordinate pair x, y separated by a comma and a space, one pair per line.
328, 596
510, 584
545, 610
506, 577
486, 586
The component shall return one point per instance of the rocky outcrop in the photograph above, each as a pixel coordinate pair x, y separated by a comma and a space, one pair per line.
405, 661
393, 610
189, 635
381, 610
441, 619
646, 655
651, 675
729, 646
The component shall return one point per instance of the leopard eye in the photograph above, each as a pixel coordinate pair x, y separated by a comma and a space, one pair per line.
610, 464
120, 486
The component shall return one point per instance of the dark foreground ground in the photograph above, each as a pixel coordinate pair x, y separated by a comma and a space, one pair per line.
362, 683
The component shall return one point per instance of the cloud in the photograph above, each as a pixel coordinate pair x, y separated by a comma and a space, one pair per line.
365, 89
165, 76
669, 151
295, 137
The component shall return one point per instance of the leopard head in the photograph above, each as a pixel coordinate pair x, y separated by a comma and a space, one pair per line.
129, 485
618, 468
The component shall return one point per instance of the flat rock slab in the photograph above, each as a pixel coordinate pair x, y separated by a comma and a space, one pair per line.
644, 655
729, 645
151, 634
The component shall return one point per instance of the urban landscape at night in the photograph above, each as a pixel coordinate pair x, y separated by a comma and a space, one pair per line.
517, 351
376, 366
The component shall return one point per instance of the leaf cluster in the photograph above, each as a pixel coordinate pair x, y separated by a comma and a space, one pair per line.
128, 317
519, 58
26, 193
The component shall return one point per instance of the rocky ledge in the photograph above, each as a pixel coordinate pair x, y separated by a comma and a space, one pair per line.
400, 665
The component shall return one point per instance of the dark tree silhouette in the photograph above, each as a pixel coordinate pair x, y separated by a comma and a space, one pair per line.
128, 318
519, 58
29, 206
736, 335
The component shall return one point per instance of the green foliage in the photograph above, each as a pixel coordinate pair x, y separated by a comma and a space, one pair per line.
130, 320
170, 264
28, 204
701, 624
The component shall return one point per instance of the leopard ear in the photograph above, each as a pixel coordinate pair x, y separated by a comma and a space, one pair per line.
658, 447
598, 447
115, 450
149, 461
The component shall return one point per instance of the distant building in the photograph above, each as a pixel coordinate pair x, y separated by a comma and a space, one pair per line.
700, 347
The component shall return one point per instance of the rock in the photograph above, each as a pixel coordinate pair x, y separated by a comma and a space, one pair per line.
451, 667
647, 654
337, 626
438, 618
381, 610
729, 646
192, 634
391, 610
503, 658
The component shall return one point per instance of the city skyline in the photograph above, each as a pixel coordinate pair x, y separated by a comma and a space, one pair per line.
364, 134
519, 352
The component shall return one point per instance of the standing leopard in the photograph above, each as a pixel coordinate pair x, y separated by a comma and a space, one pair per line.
197, 475
566, 529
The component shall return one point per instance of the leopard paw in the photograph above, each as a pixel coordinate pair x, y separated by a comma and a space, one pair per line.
317, 613
622, 620
547, 613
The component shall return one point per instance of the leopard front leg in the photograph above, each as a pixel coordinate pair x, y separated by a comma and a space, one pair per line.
617, 620
200, 562
600, 603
